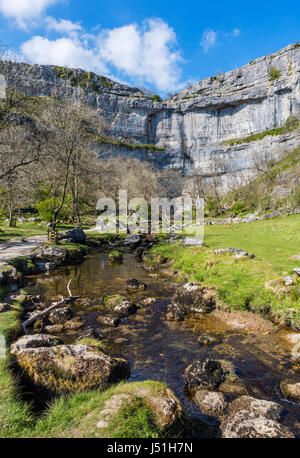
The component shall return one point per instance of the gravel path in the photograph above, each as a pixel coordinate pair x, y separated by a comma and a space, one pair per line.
20, 247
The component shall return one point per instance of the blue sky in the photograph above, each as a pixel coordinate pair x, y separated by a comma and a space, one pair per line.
165, 45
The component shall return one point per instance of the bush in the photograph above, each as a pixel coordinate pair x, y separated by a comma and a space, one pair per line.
238, 207
292, 123
156, 98
274, 73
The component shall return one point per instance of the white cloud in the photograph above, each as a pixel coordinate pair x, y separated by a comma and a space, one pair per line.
145, 53
62, 26
236, 32
24, 11
64, 52
208, 40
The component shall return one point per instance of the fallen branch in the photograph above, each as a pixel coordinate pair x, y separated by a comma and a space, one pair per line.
36, 315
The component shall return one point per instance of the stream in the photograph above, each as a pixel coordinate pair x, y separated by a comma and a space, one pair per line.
161, 350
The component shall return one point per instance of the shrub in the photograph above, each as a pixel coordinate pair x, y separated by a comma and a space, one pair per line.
292, 123
156, 98
274, 73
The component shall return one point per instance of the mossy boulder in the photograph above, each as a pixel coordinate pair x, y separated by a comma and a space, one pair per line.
140, 409
114, 300
260, 407
67, 369
60, 315
34, 341
115, 256
194, 298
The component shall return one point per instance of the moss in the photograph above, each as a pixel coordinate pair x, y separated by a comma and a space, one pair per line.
91, 342
115, 256
114, 300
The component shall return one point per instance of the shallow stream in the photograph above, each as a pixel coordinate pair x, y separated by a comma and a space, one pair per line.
161, 350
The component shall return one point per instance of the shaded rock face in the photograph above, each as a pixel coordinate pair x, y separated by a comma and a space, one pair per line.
245, 424
34, 341
191, 125
204, 375
191, 298
70, 369
51, 254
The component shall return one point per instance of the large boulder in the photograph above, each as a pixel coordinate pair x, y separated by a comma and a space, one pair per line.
259, 407
34, 341
75, 235
125, 309
191, 298
245, 424
49, 253
204, 375
70, 369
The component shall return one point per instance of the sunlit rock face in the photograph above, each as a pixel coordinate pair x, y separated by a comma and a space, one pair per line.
191, 125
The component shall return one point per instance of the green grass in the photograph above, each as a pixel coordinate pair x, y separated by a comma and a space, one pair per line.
288, 127
241, 282
125, 144
25, 230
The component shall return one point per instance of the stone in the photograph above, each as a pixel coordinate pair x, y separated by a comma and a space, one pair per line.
111, 321
207, 340
4, 308
149, 301
51, 254
60, 315
33, 341
115, 256
133, 241
210, 402
67, 369
204, 375
75, 235
259, 407
54, 329
135, 284
114, 300
74, 324
245, 424
290, 390
89, 333
297, 271
288, 280
175, 313
125, 309
193, 298
192, 241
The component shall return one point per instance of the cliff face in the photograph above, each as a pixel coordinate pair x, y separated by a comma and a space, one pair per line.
190, 128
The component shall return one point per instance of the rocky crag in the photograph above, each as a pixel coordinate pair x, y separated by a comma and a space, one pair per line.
195, 128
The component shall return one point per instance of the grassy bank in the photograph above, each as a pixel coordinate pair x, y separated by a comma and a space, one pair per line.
249, 284
25, 230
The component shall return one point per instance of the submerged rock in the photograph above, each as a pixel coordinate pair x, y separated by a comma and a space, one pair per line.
135, 284
204, 375
33, 341
211, 402
115, 256
245, 424
70, 369
290, 390
207, 340
89, 333
74, 324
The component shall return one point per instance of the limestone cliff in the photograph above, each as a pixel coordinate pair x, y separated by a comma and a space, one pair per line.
190, 129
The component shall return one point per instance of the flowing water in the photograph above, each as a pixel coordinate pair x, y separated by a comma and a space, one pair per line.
161, 350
